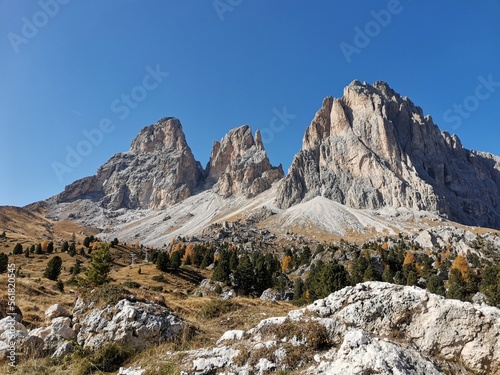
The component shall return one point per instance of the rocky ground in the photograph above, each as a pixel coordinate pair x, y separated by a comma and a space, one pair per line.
370, 328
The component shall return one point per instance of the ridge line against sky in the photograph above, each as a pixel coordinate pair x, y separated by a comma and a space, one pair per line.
99, 71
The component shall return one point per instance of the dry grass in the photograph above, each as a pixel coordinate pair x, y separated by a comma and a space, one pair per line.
34, 294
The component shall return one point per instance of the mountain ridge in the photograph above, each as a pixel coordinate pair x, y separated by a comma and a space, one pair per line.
373, 148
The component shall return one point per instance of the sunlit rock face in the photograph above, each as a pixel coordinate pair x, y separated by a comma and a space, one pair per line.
373, 148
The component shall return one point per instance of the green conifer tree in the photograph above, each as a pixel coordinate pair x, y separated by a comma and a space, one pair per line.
53, 269
100, 265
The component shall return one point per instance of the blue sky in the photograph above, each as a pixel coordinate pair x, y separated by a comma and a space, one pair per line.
107, 68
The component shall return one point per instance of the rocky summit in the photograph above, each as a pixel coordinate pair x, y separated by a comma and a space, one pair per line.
373, 148
239, 165
160, 170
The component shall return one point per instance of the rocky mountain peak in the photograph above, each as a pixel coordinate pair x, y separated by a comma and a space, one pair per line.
159, 170
239, 165
166, 134
373, 148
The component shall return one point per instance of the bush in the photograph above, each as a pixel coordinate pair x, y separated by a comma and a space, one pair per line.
159, 278
131, 284
60, 286
107, 359
314, 333
106, 294
216, 308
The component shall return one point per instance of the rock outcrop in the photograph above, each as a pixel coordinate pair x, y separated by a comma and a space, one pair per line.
372, 327
373, 148
134, 324
157, 171
239, 165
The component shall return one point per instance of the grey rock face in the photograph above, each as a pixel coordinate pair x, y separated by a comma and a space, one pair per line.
375, 328
239, 165
135, 324
373, 148
157, 171
160, 170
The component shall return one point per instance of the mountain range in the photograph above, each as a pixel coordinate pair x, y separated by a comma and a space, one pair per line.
366, 158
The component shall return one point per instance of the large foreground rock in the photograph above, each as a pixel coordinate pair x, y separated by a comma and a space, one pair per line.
373, 327
134, 324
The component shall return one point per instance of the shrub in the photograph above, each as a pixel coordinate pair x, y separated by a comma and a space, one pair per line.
60, 286
159, 278
106, 294
107, 359
131, 284
216, 308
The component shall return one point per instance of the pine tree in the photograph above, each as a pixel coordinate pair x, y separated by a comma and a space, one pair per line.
326, 278
298, 289
387, 275
50, 247
244, 275
65, 247
72, 250
53, 269
4, 261
175, 260
18, 249
411, 278
76, 267
86, 241
358, 267
222, 271
100, 265
38, 249
399, 278
435, 285
457, 287
198, 255
490, 284
162, 261
263, 275
60, 285
233, 261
